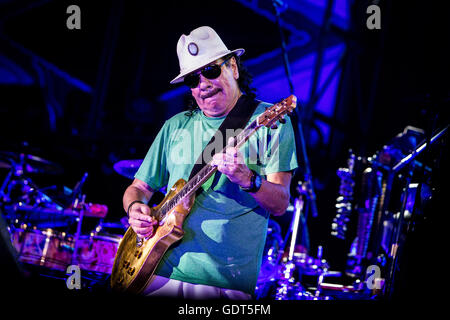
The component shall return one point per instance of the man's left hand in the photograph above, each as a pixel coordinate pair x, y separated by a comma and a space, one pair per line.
231, 163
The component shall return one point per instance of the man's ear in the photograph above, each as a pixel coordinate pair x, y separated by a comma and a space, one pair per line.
235, 68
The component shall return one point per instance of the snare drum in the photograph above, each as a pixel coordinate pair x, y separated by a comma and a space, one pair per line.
47, 248
96, 253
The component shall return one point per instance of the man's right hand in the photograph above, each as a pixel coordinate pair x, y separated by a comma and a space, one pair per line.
141, 221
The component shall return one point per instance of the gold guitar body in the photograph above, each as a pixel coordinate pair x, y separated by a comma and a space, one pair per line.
135, 263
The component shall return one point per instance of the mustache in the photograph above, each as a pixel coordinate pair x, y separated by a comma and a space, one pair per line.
210, 93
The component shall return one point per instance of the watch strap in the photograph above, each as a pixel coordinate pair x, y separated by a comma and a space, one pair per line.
254, 186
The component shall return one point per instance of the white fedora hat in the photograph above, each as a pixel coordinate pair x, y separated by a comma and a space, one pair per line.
201, 47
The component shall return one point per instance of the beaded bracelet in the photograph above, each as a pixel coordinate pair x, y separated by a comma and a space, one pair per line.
129, 206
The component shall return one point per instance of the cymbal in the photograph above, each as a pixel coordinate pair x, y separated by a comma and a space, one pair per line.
4, 165
94, 210
5, 161
128, 168
113, 225
31, 163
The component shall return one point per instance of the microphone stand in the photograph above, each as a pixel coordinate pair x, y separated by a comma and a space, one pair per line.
79, 207
298, 128
286, 286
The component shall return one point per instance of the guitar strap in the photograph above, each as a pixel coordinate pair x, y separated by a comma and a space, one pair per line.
237, 118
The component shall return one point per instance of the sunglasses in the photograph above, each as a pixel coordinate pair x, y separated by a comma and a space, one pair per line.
209, 72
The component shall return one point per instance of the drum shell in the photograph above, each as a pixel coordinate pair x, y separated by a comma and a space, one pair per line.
47, 248
96, 253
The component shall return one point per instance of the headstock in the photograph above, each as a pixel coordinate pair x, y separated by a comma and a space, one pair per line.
277, 112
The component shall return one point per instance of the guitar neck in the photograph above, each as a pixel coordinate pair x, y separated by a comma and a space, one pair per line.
205, 173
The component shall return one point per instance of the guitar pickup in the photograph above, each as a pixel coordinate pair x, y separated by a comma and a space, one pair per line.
138, 254
131, 271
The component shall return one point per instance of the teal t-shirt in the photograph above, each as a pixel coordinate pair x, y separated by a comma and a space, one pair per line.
226, 229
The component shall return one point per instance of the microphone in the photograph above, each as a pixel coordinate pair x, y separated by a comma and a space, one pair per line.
280, 5
77, 189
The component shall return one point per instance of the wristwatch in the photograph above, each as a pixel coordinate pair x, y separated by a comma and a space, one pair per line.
255, 183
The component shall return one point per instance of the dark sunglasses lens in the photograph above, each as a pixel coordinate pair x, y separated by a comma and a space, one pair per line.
192, 80
211, 72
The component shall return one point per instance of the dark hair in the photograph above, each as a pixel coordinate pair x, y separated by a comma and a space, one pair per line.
244, 82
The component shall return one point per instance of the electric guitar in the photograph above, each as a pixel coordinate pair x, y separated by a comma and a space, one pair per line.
137, 259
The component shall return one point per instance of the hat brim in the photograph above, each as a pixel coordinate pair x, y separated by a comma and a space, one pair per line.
181, 76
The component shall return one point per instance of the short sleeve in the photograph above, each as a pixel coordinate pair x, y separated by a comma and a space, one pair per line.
153, 169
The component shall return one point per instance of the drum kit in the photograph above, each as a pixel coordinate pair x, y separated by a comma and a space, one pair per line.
47, 225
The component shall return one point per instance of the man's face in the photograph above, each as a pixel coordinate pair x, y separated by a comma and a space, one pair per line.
216, 97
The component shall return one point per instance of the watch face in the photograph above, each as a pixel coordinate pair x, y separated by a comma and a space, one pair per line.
257, 182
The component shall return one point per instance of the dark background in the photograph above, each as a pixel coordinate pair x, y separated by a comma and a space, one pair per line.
125, 56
